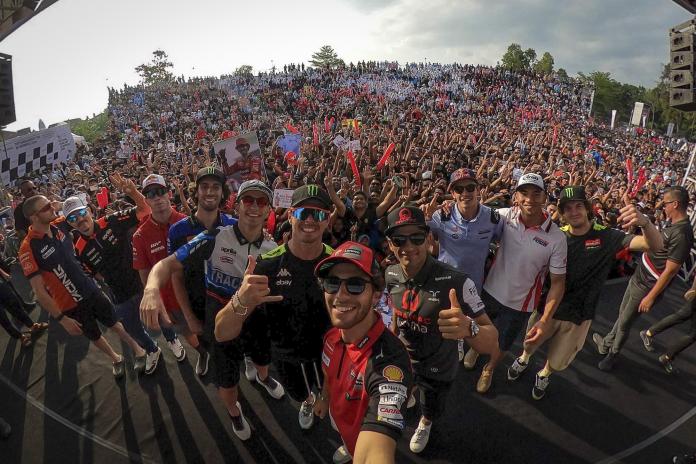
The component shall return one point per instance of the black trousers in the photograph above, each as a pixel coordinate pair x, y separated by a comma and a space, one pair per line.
9, 303
687, 312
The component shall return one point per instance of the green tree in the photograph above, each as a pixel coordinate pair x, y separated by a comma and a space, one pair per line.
90, 128
157, 71
545, 64
562, 74
516, 59
244, 70
326, 58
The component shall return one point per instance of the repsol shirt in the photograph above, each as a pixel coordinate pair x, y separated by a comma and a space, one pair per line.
297, 324
108, 252
465, 244
590, 259
150, 247
368, 383
53, 257
194, 276
417, 303
678, 239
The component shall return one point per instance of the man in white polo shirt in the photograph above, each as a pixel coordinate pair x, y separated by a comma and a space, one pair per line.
531, 246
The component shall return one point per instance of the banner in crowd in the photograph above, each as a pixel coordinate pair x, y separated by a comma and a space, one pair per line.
282, 198
670, 129
637, 114
613, 118
290, 143
240, 159
34, 151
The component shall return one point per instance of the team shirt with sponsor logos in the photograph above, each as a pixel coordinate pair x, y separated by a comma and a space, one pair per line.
54, 259
150, 247
417, 304
678, 239
590, 258
368, 383
525, 256
108, 252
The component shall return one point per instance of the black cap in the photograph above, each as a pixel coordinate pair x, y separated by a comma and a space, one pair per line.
311, 195
572, 193
210, 171
405, 216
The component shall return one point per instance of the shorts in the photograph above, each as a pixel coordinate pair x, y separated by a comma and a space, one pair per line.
226, 357
565, 339
96, 307
508, 321
433, 396
299, 378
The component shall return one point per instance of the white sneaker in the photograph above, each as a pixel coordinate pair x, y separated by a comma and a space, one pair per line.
202, 364
420, 437
342, 456
152, 360
240, 426
272, 386
306, 415
411, 401
249, 369
178, 349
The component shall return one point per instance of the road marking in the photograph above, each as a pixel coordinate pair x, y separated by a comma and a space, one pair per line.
650, 440
74, 427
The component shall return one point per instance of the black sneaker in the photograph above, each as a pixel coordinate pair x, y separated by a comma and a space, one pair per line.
119, 368
647, 340
607, 363
517, 368
666, 363
539, 389
240, 426
599, 341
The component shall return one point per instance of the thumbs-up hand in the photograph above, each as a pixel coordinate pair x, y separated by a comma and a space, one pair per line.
630, 216
453, 324
254, 289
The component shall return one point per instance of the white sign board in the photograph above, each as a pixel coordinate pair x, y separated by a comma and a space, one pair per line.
35, 151
282, 198
339, 141
637, 114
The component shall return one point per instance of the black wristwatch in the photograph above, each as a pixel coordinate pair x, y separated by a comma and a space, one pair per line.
474, 329
62, 315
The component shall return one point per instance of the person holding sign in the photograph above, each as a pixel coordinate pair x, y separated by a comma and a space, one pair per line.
434, 305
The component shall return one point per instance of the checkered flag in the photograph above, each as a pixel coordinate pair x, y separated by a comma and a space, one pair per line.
13, 168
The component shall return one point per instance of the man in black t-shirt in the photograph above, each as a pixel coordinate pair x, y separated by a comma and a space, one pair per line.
433, 306
653, 276
592, 250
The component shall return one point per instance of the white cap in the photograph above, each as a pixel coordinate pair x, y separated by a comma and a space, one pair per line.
531, 179
154, 179
72, 204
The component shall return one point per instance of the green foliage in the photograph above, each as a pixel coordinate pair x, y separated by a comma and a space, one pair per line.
544, 65
562, 74
516, 59
91, 128
326, 58
244, 70
158, 71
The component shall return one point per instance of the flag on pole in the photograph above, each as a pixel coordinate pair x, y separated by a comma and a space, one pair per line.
315, 134
354, 168
385, 157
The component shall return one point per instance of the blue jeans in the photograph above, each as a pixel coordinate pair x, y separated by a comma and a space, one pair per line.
129, 314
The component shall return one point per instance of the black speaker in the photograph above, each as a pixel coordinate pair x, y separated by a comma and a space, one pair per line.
7, 106
682, 70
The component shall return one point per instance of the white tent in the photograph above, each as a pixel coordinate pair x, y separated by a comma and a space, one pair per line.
79, 140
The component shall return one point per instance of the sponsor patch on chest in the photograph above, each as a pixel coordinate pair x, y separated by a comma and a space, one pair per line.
541, 241
593, 243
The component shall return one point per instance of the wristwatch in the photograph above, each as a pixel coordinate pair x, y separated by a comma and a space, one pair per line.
474, 329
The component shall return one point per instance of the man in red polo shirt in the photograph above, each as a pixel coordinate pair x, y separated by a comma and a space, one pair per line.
150, 246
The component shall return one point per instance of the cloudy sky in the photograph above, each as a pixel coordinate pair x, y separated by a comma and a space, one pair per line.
64, 58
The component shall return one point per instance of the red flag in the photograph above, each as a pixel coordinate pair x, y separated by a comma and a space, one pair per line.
356, 127
555, 135
354, 168
326, 124
291, 128
315, 135
103, 198
227, 134
331, 122
291, 158
385, 157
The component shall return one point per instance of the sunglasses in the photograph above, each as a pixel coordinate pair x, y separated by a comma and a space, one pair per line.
303, 214
400, 240
43, 209
73, 217
261, 202
459, 189
354, 285
154, 193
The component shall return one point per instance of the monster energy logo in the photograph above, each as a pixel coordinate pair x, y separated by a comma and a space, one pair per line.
569, 192
312, 190
209, 170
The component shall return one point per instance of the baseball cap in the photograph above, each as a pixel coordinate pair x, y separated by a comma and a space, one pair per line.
531, 179
572, 193
72, 204
405, 216
254, 185
311, 195
353, 253
153, 179
462, 174
210, 171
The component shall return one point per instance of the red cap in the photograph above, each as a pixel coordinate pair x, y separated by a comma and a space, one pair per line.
462, 174
353, 253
